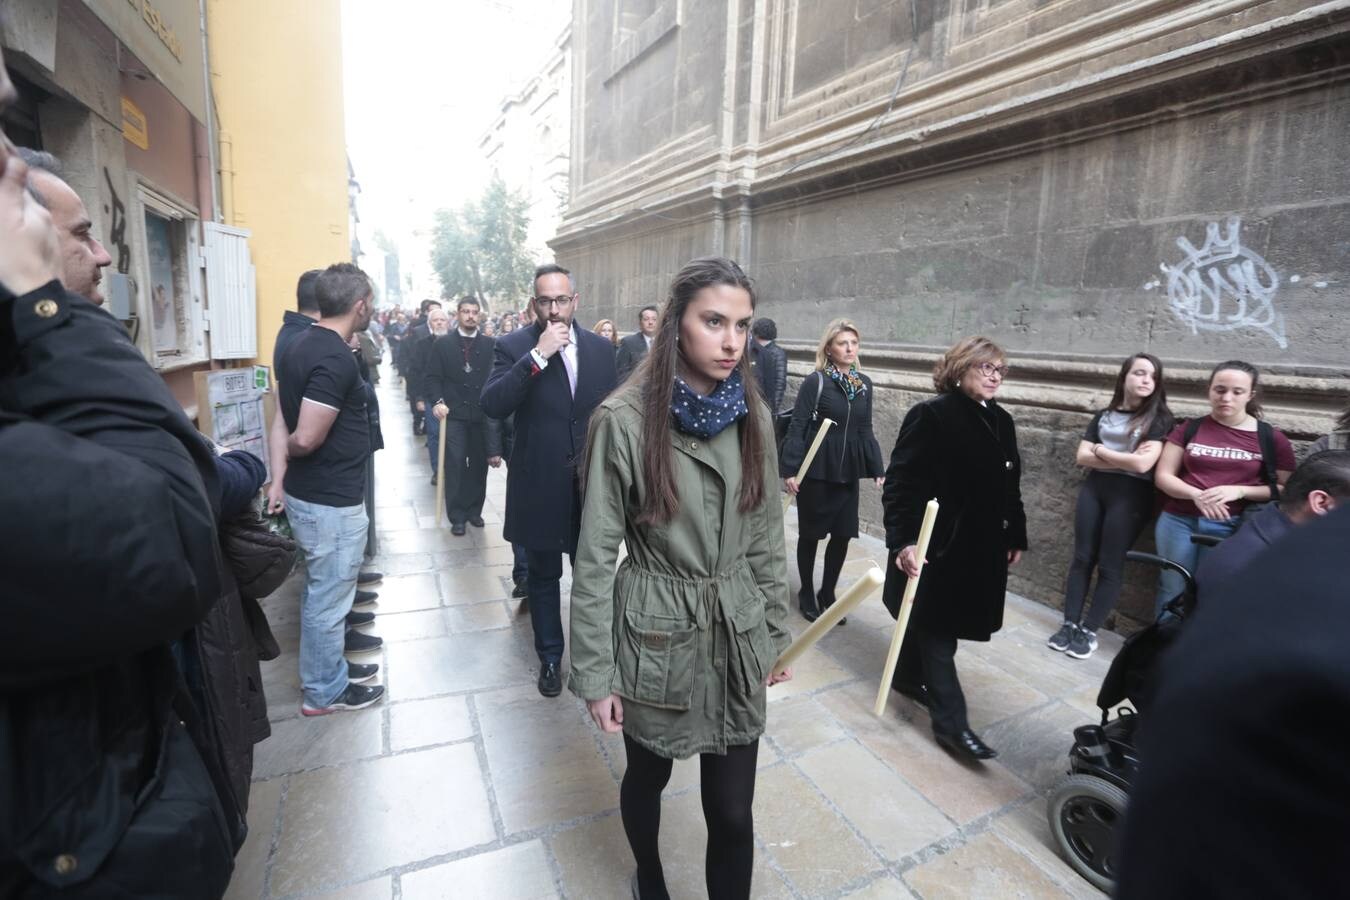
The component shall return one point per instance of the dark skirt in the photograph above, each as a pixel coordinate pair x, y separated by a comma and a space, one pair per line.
827, 508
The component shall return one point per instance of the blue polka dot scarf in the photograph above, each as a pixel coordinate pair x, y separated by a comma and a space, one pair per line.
703, 416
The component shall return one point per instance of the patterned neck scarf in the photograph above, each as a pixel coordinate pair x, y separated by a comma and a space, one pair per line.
850, 381
706, 417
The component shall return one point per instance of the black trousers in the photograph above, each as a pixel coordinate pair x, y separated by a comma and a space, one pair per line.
465, 469
542, 576
930, 660
1111, 512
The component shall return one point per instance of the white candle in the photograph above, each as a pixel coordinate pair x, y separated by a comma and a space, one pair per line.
906, 604
857, 592
810, 455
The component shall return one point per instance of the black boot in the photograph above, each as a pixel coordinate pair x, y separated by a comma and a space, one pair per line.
806, 602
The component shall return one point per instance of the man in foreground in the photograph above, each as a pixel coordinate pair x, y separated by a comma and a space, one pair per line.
551, 375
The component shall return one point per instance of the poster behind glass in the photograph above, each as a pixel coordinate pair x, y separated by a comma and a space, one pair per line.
163, 294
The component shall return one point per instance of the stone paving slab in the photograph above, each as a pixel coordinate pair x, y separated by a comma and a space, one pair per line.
466, 783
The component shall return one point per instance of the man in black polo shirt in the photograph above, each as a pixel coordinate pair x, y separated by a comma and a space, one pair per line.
323, 401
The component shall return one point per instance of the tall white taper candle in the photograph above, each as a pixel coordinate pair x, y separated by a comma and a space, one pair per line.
440, 472
857, 592
906, 604
810, 455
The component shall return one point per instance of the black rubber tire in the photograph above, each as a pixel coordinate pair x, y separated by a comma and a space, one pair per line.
1099, 808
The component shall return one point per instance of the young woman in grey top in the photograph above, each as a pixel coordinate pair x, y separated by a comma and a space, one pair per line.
1120, 447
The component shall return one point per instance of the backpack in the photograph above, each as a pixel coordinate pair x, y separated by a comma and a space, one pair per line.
1265, 436
782, 420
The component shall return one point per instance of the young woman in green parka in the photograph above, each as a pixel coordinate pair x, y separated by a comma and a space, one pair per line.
675, 649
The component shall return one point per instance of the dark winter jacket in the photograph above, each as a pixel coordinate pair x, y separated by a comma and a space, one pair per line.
1245, 791
770, 364
965, 455
109, 553
850, 450
1219, 564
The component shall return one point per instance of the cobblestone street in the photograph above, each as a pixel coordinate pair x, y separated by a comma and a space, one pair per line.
466, 783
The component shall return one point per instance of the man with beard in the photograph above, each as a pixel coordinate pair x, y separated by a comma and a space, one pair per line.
323, 399
551, 375
107, 780
458, 368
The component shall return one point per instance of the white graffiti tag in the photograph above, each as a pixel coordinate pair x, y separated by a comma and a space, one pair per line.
1224, 286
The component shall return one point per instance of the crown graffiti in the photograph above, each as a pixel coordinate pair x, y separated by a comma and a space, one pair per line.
1224, 286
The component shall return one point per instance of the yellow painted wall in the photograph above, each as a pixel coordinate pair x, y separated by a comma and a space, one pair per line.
276, 69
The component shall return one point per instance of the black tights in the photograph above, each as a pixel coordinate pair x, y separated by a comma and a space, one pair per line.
835, 552
728, 786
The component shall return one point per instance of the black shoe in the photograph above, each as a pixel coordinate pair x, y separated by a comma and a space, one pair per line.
477, 522
824, 602
966, 745
369, 579
356, 619
550, 680
364, 598
457, 529
806, 602
360, 673
360, 642
356, 696
433, 479
520, 591
916, 692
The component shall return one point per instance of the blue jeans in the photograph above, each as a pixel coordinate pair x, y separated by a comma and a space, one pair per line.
1172, 534
333, 539
433, 438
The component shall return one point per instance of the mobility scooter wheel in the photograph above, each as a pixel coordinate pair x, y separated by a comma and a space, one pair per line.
1085, 814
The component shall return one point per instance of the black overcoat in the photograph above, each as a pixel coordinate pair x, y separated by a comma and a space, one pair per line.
965, 455
543, 502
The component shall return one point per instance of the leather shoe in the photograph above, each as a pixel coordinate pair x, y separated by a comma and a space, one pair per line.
965, 744
458, 529
824, 602
550, 679
477, 522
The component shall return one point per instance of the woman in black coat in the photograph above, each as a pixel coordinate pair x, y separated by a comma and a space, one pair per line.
960, 447
827, 498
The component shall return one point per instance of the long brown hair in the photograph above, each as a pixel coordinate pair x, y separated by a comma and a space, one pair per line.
655, 377
1154, 408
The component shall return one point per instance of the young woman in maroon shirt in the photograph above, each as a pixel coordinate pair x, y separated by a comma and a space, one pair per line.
1211, 475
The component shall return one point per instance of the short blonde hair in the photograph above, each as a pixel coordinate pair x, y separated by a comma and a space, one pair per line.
967, 352
832, 331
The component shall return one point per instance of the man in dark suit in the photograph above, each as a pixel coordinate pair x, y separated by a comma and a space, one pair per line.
1244, 790
769, 362
418, 332
551, 375
634, 347
458, 366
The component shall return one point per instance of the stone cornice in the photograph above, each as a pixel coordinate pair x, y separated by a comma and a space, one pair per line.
773, 170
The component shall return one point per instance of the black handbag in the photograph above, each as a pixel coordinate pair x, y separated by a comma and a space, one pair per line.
782, 420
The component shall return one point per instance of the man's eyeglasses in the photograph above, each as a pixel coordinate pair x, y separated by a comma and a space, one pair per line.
989, 370
563, 300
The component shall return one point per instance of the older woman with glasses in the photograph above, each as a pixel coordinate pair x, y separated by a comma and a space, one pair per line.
960, 447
